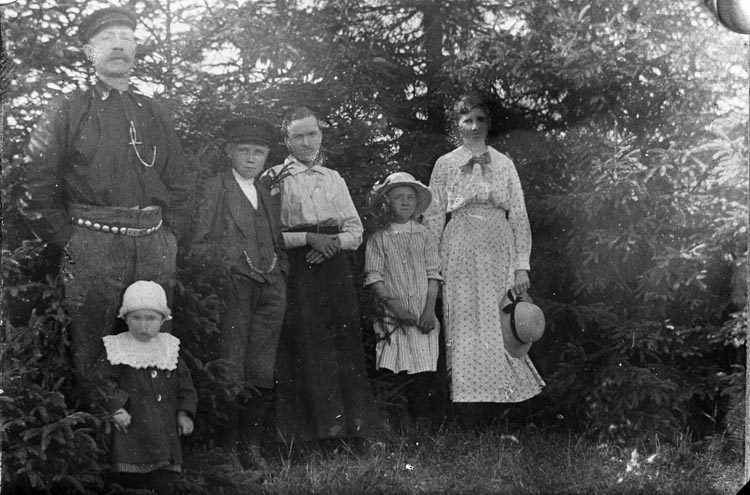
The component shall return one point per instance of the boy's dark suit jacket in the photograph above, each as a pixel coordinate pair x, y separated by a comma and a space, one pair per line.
222, 228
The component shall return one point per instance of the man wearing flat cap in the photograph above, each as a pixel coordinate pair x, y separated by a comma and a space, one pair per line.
106, 181
237, 223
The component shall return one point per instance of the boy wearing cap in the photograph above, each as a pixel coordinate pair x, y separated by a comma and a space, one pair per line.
106, 181
149, 391
237, 223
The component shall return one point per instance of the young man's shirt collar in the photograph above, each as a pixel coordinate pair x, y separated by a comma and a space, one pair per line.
297, 167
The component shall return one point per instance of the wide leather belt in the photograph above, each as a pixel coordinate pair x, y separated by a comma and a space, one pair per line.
114, 229
119, 220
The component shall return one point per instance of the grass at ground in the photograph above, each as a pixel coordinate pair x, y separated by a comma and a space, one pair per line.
491, 461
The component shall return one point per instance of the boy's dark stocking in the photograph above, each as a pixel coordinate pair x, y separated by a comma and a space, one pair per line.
253, 424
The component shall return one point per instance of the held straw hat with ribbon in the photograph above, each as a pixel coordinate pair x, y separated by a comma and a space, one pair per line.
424, 196
522, 323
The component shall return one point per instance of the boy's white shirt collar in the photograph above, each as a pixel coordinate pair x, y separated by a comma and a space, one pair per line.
160, 352
248, 188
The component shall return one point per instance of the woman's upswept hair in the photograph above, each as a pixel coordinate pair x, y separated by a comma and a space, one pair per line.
467, 103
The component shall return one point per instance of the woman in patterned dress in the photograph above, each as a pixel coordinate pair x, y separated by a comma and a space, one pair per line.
485, 249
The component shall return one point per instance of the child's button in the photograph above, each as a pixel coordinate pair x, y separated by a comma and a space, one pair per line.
153, 373
168, 374
158, 397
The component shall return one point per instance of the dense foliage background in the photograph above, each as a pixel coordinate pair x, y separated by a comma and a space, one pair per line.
626, 120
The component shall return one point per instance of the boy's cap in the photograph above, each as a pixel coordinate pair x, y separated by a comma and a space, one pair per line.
424, 195
144, 294
100, 19
249, 130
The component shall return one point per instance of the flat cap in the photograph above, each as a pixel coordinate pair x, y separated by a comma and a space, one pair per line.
96, 21
249, 130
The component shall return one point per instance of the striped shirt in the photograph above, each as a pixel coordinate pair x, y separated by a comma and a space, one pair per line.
404, 257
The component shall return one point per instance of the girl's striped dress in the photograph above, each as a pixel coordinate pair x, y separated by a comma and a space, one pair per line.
404, 257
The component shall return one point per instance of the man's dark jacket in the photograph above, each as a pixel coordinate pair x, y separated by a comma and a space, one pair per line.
84, 150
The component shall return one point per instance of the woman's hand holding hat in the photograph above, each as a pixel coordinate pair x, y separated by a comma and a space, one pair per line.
522, 282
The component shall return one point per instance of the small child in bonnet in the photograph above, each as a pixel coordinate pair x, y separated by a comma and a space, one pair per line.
149, 391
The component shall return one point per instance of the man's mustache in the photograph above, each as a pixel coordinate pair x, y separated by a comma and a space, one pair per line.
119, 56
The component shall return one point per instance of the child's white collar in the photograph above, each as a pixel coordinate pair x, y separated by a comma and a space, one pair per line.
160, 352
409, 227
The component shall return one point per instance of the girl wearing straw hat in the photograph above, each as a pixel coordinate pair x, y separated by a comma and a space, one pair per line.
402, 266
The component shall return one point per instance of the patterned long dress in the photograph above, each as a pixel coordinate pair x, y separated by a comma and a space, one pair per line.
487, 238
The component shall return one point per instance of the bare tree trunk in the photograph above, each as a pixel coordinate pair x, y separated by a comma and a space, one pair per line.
434, 32
169, 51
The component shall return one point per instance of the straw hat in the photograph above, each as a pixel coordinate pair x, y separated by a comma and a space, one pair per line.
145, 295
424, 196
522, 323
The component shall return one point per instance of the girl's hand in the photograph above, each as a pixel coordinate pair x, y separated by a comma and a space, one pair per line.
402, 314
184, 423
522, 282
122, 419
427, 321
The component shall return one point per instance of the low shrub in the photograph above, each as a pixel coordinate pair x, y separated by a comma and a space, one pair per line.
640, 381
49, 444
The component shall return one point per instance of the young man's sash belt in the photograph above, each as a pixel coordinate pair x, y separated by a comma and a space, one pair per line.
316, 229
